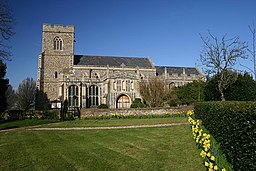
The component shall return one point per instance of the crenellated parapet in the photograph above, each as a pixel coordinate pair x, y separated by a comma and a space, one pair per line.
58, 28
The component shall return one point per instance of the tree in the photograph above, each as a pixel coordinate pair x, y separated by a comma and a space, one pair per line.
253, 50
3, 87
219, 56
211, 92
11, 98
191, 92
41, 100
244, 89
154, 91
26, 94
6, 30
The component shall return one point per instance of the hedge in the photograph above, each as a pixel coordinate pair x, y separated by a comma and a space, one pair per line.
233, 125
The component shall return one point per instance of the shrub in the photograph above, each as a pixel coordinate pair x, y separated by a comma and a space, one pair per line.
137, 103
103, 106
233, 124
50, 114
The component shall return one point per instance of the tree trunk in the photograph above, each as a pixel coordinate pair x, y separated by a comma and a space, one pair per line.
222, 97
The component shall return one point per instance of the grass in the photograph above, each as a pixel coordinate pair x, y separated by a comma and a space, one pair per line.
116, 122
24, 123
166, 148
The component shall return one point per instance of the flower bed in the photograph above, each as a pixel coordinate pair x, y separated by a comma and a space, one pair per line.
135, 116
210, 151
233, 124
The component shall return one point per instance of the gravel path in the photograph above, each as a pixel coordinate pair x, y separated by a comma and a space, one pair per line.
104, 128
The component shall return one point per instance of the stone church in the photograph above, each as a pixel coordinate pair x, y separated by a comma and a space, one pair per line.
88, 81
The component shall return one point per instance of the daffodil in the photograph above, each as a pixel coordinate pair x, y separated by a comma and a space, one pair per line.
212, 158
209, 154
203, 153
206, 164
211, 165
215, 167
223, 169
190, 112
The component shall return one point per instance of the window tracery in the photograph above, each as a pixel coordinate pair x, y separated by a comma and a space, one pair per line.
57, 43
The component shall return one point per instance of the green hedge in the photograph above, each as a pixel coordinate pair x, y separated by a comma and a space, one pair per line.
233, 125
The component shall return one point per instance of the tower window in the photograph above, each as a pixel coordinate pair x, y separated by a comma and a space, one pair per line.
57, 43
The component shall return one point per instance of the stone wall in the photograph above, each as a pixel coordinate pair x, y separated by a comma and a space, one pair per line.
149, 111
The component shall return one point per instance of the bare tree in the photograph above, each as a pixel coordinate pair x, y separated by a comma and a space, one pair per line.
6, 30
253, 50
219, 56
26, 94
154, 91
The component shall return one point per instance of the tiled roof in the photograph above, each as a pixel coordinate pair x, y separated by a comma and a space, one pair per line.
112, 61
176, 70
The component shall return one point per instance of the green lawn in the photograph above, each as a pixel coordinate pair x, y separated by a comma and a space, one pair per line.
116, 122
167, 148
24, 123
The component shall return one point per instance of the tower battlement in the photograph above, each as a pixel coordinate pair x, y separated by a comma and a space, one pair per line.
58, 28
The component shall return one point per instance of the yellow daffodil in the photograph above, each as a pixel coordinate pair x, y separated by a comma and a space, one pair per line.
223, 169
209, 154
215, 167
206, 164
212, 158
211, 165
203, 153
190, 112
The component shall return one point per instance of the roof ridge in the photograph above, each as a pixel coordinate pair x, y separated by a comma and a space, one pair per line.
175, 66
112, 56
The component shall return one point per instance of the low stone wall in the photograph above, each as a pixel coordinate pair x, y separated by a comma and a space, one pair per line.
85, 112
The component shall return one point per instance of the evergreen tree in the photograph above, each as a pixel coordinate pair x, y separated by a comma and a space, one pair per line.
41, 100
3, 87
191, 92
11, 98
211, 92
244, 89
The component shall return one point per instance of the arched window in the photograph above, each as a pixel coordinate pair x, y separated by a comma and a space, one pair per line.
93, 96
57, 43
73, 95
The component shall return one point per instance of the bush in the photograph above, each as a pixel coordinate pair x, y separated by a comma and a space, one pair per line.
50, 114
103, 106
137, 103
233, 124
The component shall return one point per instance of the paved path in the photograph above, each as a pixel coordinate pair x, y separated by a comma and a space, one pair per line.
104, 128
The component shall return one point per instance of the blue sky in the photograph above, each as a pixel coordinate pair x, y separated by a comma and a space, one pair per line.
165, 30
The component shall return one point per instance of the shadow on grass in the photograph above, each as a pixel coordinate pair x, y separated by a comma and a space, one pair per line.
9, 127
24, 123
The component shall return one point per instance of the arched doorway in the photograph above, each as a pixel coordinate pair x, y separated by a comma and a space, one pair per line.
123, 102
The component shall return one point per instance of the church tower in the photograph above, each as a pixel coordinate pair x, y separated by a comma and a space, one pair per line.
57, 55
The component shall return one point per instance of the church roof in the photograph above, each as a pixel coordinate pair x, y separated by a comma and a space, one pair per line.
176, 70
112, 61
